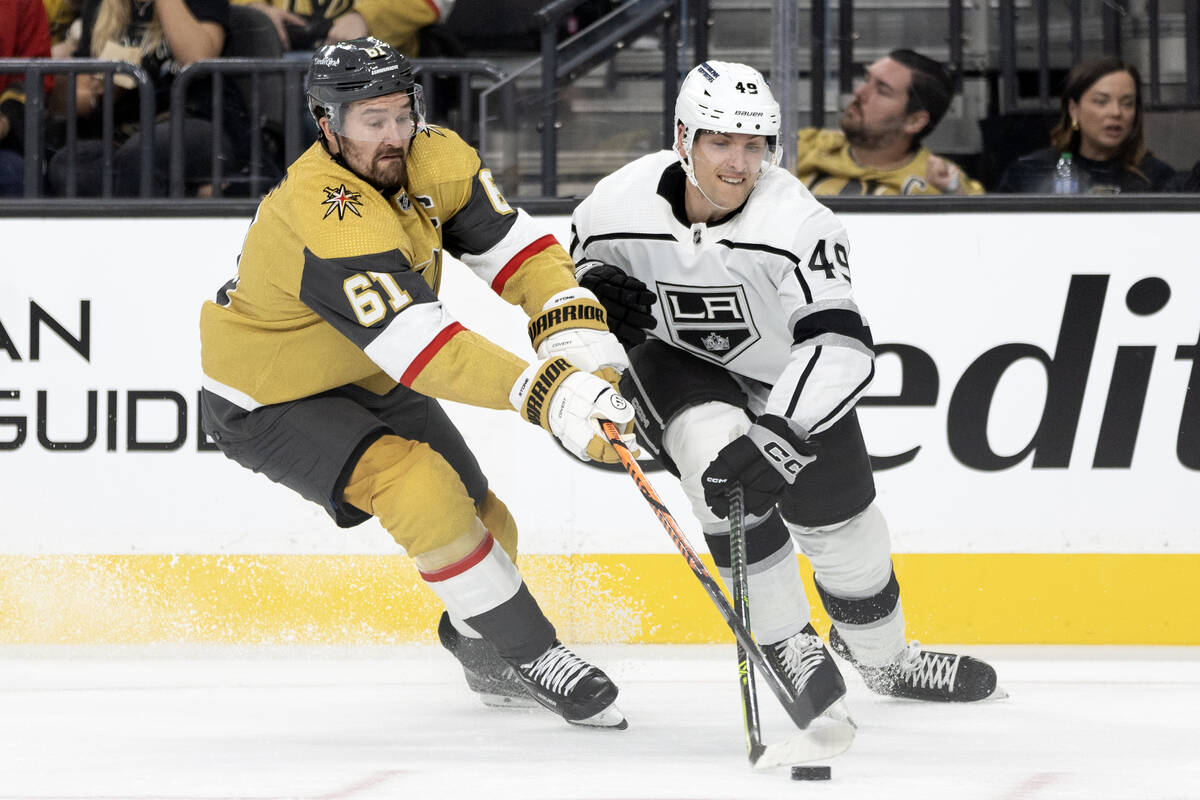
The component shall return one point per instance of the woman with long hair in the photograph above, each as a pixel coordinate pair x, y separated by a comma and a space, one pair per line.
1100, 126
162, 37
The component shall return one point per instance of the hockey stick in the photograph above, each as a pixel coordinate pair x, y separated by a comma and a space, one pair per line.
799, 748
819, 743
741, 603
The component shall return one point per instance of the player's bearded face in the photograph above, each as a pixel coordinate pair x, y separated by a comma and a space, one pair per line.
375, 137
727, 165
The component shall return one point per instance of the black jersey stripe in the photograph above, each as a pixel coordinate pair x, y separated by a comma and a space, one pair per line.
849, 399
812, 362
476, 227
762, 248
775, 251
601, 237
841, 321
323, 289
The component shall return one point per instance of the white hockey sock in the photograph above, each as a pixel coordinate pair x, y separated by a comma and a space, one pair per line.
876, 644
778, 605
852, 564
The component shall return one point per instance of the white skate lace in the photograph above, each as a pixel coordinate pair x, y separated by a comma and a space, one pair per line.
557, 669
928, 670
801, 655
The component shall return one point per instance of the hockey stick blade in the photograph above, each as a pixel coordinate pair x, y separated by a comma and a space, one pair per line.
799, 708
822, 740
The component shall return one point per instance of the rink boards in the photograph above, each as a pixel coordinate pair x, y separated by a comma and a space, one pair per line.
1037, 447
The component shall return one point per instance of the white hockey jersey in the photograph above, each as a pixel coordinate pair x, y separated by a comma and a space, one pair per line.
764, 292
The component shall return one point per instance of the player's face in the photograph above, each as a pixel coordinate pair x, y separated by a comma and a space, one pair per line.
727, 164
1106, 113
878, 110
374, 138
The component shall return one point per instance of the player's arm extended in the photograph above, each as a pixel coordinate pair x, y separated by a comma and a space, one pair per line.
527, 267
389, 311
832, 361
502, 245
378, 302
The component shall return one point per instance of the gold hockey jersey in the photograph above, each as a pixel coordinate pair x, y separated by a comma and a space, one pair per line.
825, 166
338, 284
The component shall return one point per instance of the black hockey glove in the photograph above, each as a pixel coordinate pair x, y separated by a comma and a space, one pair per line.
626, 300
765, 460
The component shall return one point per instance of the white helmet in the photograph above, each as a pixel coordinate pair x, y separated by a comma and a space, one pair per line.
726, 98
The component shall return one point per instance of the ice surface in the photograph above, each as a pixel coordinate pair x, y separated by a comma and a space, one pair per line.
398, 722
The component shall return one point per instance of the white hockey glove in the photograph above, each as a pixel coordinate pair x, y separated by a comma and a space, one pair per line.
572, 325
569, 403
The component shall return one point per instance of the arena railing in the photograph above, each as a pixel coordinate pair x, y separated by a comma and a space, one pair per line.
1037, 22
294, 115
35, 69
274, 99
560, 63
1053, 30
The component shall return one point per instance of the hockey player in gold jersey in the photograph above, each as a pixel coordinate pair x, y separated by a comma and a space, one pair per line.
323, 357
878, 150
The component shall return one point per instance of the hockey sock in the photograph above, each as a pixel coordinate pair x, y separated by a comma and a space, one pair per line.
486, 591
778, 605
872, 626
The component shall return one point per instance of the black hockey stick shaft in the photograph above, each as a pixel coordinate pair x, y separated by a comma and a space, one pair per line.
741, 604
800, 709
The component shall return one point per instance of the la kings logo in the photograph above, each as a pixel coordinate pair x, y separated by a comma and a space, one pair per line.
713, 322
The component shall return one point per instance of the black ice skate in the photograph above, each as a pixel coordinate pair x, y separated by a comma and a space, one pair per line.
488, 675
572, 688
921, 674
804, 662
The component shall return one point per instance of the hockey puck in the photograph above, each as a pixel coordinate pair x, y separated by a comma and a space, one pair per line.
812, 773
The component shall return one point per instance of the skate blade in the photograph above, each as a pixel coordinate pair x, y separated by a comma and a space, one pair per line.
822, 740
508, 701
838, 712
610, 717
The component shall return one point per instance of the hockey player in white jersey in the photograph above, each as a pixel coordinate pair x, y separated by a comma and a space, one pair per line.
756, 355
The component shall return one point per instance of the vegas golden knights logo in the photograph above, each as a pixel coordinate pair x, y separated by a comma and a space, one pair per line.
341, 200
713, 322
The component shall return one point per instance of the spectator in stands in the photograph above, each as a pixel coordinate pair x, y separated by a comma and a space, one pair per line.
161, 36
1101, 126
64, 26
24, 33
309, 24
878, 150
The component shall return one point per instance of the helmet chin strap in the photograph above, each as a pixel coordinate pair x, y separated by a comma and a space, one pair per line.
686, 163
337, 157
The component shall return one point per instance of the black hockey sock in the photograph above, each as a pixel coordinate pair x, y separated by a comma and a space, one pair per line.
517, 628
763, 540
863, 611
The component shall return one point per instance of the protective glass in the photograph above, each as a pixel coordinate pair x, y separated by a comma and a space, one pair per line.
381, 119
720, 148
